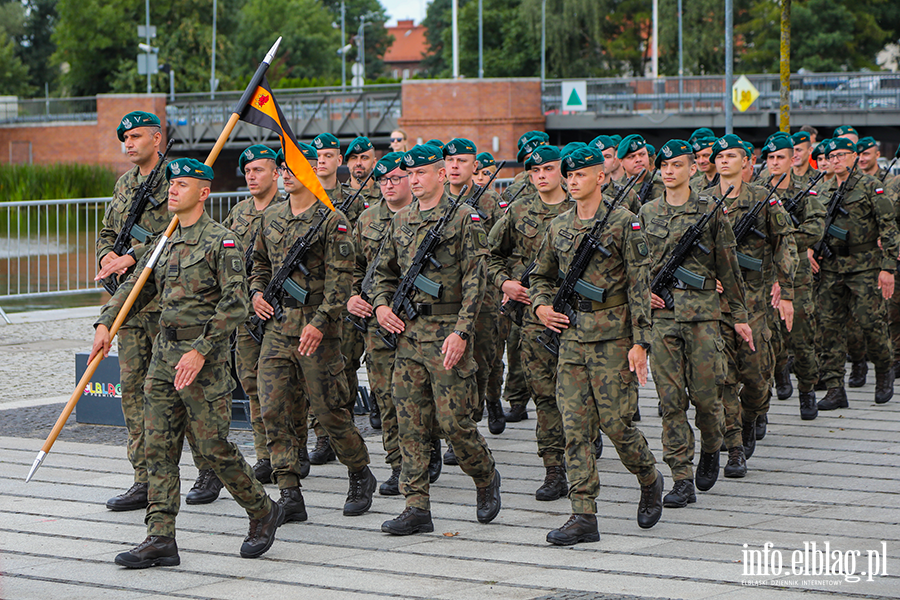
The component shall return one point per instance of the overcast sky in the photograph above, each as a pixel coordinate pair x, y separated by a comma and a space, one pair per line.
405, 9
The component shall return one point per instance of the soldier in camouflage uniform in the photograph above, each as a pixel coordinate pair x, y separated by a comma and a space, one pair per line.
603, 353
767, 269
514, 242
257, 163
141, 135
859, 277
611, 164
707, 177
304, 348
632, 153
689, 360
201, 287
434, 369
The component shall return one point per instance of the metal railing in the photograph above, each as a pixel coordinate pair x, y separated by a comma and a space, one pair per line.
39, 110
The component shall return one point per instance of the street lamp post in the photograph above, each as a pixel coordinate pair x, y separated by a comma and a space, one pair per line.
344, 46
480, 40
729, 66
212, 71
147, 7
543, 42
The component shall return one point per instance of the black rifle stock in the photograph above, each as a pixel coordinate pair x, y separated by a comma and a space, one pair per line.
747, 225
793, 204
130, 227
672, 268
475, 197
821, 249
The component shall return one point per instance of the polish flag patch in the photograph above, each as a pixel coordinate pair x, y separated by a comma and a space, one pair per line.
475, 217
879, 190
635, 226
503, 203
342, 228
366, 204
813, 193
774, 201
228, 243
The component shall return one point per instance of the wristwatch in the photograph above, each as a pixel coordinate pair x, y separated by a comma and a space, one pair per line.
462, 334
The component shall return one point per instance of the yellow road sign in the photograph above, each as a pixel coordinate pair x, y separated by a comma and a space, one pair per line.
743, 93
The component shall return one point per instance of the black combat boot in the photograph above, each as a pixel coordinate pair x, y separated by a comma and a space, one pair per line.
651, 504
303, 459
884, 385
322, 453
487, 500
707, 470
261, 534
155, 551
858, 372
450, 456
761, 422
206, 488
737, 464
821, 385
375, 416
391, 486
412, 520
808, 408
496, 420
748, 439
578, 529
555, 485
292, 503
834, 399
783, 386
515, 413
263, 470
359, 496
681, 495
434, 462
134, 499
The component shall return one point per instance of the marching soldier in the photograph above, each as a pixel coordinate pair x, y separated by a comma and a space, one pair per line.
434, 369
603, 354
527, 143
201, 286
803, 148
141, 135
611, 164
304, 348
632, 153
328, 159
689, 361
707, 177
869, 153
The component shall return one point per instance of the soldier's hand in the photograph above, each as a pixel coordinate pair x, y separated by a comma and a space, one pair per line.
656, 302
101, 342
453, 349
359, 307
637, 363
719, 287
110, 256
387, 319
886, 284
743, 330
786, 312
515, 290
776, 295
188, 368
551, 319
117, 266
310, 338
262, 308
812, 260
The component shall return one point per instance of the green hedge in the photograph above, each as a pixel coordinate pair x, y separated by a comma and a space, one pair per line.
52, 182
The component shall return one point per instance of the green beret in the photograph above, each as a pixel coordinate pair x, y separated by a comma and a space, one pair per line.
632, 143
532, 135
459, 146
255, 152
844, 130
134, 119
777, 134
835, 144
698, 144
602, 142
308, 151
819, 150
358, 146
775, 143
388, 163
725, 142
568, 149
865, 143
651, 150
617, 139
484, 160
800, 137
703, 132
748, 147
436, 143
529, 147
326, 140
188, 167
544, 154
421, 155
581, 158
671, 149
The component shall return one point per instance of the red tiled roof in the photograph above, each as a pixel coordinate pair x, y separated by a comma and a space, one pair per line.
409, 43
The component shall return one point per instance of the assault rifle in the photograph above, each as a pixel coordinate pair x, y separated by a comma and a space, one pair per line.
474, 198
890, 166
673, 270
281, 281
793, 205
747, 225
414, 277
131, 229
646, 186
572, 281
822, 249
366, 286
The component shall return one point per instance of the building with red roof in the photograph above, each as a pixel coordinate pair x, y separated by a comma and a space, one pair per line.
404, 58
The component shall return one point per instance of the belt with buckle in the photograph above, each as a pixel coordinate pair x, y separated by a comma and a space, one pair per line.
311, 300
429, 310
593, 305
176, 334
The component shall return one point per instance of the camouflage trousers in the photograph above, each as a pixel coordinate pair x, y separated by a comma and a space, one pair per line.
284, 374
135, 347
425, 393
516, 391
540, 368
840, 296
247, 363
748, 370
894, 320
689, 367
353, 344
203, 409
380, 368
594, 388
801, 341
486, 351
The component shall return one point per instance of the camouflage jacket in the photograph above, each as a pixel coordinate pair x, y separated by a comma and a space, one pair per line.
871, 219
366, 199
520, 189
491, 206
700, 184
199, 280
462, 254
242, 220
664, 225
329, 261
657, 187
631, 201
624, 276
811, 215
370, 231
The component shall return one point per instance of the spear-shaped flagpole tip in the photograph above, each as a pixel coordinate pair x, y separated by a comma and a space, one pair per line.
271, 54
37, 463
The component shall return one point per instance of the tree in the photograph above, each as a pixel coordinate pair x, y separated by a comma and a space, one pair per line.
509, 41
14, 79
36, 46
377, 38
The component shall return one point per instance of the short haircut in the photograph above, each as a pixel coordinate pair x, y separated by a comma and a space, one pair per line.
810, 130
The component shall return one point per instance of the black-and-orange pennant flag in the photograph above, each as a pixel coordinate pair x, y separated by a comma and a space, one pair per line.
263, 111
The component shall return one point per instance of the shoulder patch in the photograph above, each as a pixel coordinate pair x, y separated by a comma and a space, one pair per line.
481, 239
635, 226
503, 204
779, 218
237, 265
228, 243
342, 227
475, 217
813, 193
641, 247
879, 190
344, 249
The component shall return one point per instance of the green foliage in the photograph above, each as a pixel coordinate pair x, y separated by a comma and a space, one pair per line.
13, 72
53, 182
36, 47
377, 39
